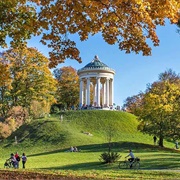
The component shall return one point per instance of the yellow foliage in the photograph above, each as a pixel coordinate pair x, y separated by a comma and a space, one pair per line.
127, 23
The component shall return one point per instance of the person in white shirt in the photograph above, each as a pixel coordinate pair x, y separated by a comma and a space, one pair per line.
132, 157
24, 159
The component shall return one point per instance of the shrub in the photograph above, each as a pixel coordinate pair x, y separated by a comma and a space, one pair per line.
16, 117
39, 109
55, 109
109, 157
5, 131
17, 114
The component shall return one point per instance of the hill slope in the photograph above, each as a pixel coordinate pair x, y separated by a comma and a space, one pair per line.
78, 128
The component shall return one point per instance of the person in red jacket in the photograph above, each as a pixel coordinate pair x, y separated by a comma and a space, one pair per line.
17, 158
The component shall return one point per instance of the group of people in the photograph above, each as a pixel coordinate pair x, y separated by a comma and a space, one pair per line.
14, 160
74, 149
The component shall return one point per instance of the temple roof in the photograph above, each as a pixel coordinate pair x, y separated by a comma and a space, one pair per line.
96, 64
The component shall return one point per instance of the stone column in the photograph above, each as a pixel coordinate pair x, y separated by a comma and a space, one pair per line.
103, 94
94, 94
85, 91
110, 92
81, 95
88, 91
107, 92
98, 91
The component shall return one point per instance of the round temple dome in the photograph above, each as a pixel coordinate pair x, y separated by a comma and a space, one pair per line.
95, 64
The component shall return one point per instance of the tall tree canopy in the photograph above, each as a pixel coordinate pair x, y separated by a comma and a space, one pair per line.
128, 23
133, 103
27, 78
159, 111
68, 86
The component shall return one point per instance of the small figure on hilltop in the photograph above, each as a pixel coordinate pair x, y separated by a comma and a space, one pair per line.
155, 139
24, 159
132, 157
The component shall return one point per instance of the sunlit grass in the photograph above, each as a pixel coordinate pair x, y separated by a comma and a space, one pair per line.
49, 139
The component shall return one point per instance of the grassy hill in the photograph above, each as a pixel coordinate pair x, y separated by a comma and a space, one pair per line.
46, 141
51, 134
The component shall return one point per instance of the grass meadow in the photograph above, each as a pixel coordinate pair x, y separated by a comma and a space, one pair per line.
46, 143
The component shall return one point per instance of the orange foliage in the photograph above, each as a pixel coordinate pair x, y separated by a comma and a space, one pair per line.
128, 23
5, 130
68, 86
19, 115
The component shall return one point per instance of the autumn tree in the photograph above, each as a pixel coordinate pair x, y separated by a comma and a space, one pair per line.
127, 23
5, 85
133, 103
160, 108
68, 86
31, 79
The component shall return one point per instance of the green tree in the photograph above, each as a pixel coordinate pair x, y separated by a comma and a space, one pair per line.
123, 22
30, 76
68, 86
160, 107
110, 132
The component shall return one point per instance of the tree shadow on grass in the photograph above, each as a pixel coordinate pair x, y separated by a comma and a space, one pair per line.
146, 164
161, 159
84, 166
161, 163
121, 147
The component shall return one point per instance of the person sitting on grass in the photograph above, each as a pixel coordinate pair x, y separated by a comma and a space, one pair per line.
132, 157
71, 149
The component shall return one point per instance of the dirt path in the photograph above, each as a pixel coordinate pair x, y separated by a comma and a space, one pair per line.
24, 175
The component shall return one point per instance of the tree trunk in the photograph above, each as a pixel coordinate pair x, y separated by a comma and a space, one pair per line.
161, 141
109, 147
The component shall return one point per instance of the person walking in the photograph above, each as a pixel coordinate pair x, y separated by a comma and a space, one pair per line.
155, 139
24, 159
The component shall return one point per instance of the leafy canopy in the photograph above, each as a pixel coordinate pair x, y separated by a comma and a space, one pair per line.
160, 106
67, 86
25, 78
128, 23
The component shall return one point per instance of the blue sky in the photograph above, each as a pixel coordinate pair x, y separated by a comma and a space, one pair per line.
133, 71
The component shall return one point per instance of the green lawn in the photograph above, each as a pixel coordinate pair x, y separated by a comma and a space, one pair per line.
46, 141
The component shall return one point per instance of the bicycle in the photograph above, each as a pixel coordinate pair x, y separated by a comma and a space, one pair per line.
126, 164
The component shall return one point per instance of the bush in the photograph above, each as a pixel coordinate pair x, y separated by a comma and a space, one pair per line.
16, 117
109, 157
39, 109
5, 130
